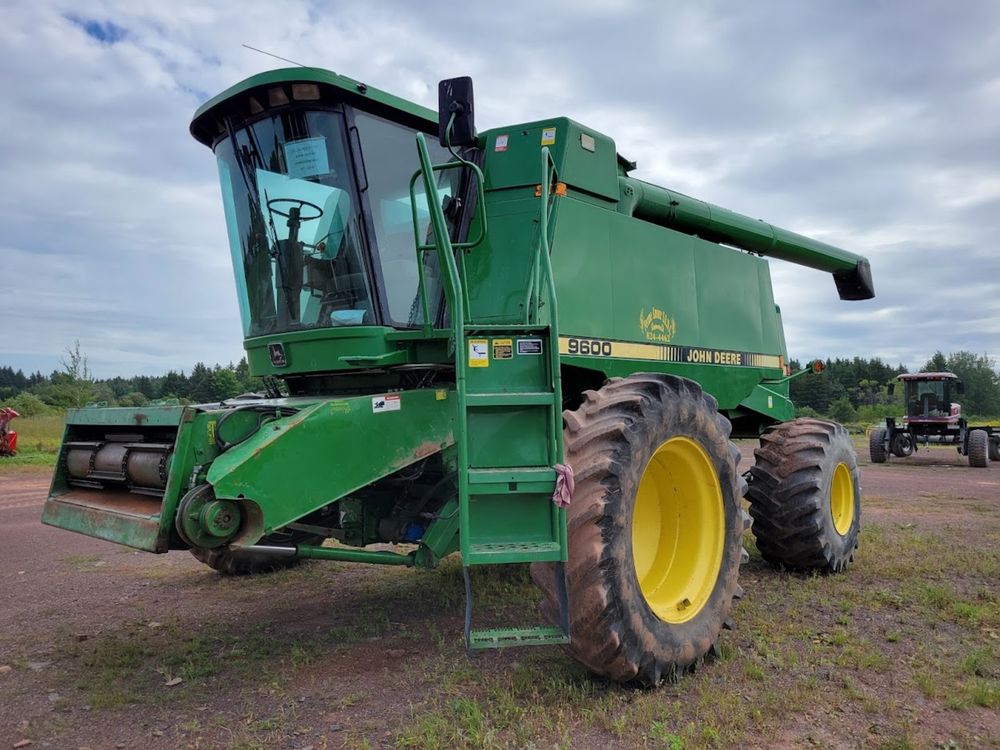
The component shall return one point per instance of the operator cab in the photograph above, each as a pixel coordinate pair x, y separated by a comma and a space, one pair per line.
315, 172
927, 396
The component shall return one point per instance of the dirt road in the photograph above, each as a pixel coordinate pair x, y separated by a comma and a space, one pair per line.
101, 646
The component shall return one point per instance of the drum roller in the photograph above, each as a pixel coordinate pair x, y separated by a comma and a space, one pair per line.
141, 466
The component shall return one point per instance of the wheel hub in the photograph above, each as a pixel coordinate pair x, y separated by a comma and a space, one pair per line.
678, 530
205, 522
842, 499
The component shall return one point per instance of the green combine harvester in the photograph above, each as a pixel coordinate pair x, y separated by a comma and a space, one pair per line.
499, 344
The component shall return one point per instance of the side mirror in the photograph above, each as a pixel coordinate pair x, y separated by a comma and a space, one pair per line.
455, 98
892, 388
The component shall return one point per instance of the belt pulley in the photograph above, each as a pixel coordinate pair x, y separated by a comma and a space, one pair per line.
205, 522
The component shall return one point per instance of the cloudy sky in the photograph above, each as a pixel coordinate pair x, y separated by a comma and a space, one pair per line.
874, 126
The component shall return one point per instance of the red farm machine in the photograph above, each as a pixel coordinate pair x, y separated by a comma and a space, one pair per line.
931, 417
8, 437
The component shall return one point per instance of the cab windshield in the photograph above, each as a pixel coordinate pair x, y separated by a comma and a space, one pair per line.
297, 226
927, 398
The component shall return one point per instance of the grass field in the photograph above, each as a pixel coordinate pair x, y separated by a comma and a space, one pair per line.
38, 440
902, 651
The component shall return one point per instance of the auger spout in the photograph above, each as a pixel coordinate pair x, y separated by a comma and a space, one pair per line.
642, 200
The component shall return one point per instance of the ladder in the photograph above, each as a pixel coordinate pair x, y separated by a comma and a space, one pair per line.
509, 414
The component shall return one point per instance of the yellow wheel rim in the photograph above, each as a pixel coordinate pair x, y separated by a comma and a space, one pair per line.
678, 530
842, 499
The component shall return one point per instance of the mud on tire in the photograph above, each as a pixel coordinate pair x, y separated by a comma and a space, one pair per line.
804, 484
610, 440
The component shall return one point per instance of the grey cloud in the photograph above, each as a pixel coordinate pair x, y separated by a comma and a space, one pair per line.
870, 125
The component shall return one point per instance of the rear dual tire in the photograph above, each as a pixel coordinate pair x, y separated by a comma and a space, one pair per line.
805, 496
980, 450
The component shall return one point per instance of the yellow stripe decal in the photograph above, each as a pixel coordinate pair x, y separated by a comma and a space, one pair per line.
605, 348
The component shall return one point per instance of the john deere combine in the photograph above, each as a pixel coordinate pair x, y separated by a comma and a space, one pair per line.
463, 336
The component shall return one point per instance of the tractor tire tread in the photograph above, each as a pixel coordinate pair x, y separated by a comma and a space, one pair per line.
606, 616
876, 446
979, 449
787, 496
994, 448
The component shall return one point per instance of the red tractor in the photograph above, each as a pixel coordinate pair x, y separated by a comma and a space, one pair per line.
8, 438
932, 417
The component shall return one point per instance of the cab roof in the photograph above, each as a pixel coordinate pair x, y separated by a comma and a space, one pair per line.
273, 89
928, 376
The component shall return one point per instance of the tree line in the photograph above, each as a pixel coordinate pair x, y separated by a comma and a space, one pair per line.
74, 386
851, 390
848, 390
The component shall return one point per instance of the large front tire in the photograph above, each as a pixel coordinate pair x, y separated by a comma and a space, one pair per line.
805, 496
655, 528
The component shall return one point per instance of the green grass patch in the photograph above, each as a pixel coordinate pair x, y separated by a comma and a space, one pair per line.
38, 440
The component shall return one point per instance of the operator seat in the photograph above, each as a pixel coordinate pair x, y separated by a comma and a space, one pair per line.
928, 404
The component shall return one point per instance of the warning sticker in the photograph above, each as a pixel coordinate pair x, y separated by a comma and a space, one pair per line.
479, 353
548, 136
388, 402
440, 394
501, 142
503, 349
529, 346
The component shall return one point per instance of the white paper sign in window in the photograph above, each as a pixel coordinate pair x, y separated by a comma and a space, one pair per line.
307, 157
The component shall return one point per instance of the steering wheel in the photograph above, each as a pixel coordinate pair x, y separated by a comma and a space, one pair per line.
300, 203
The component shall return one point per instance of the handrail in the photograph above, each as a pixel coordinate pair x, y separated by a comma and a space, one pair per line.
426, 247
542, 267
544, 254
534, 280
454, 299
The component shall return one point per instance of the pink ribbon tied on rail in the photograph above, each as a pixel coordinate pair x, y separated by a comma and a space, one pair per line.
565, 484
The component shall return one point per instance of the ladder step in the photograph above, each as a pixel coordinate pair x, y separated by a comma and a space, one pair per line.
524, 398
512, 474
500, 553
505, 637
525, 480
